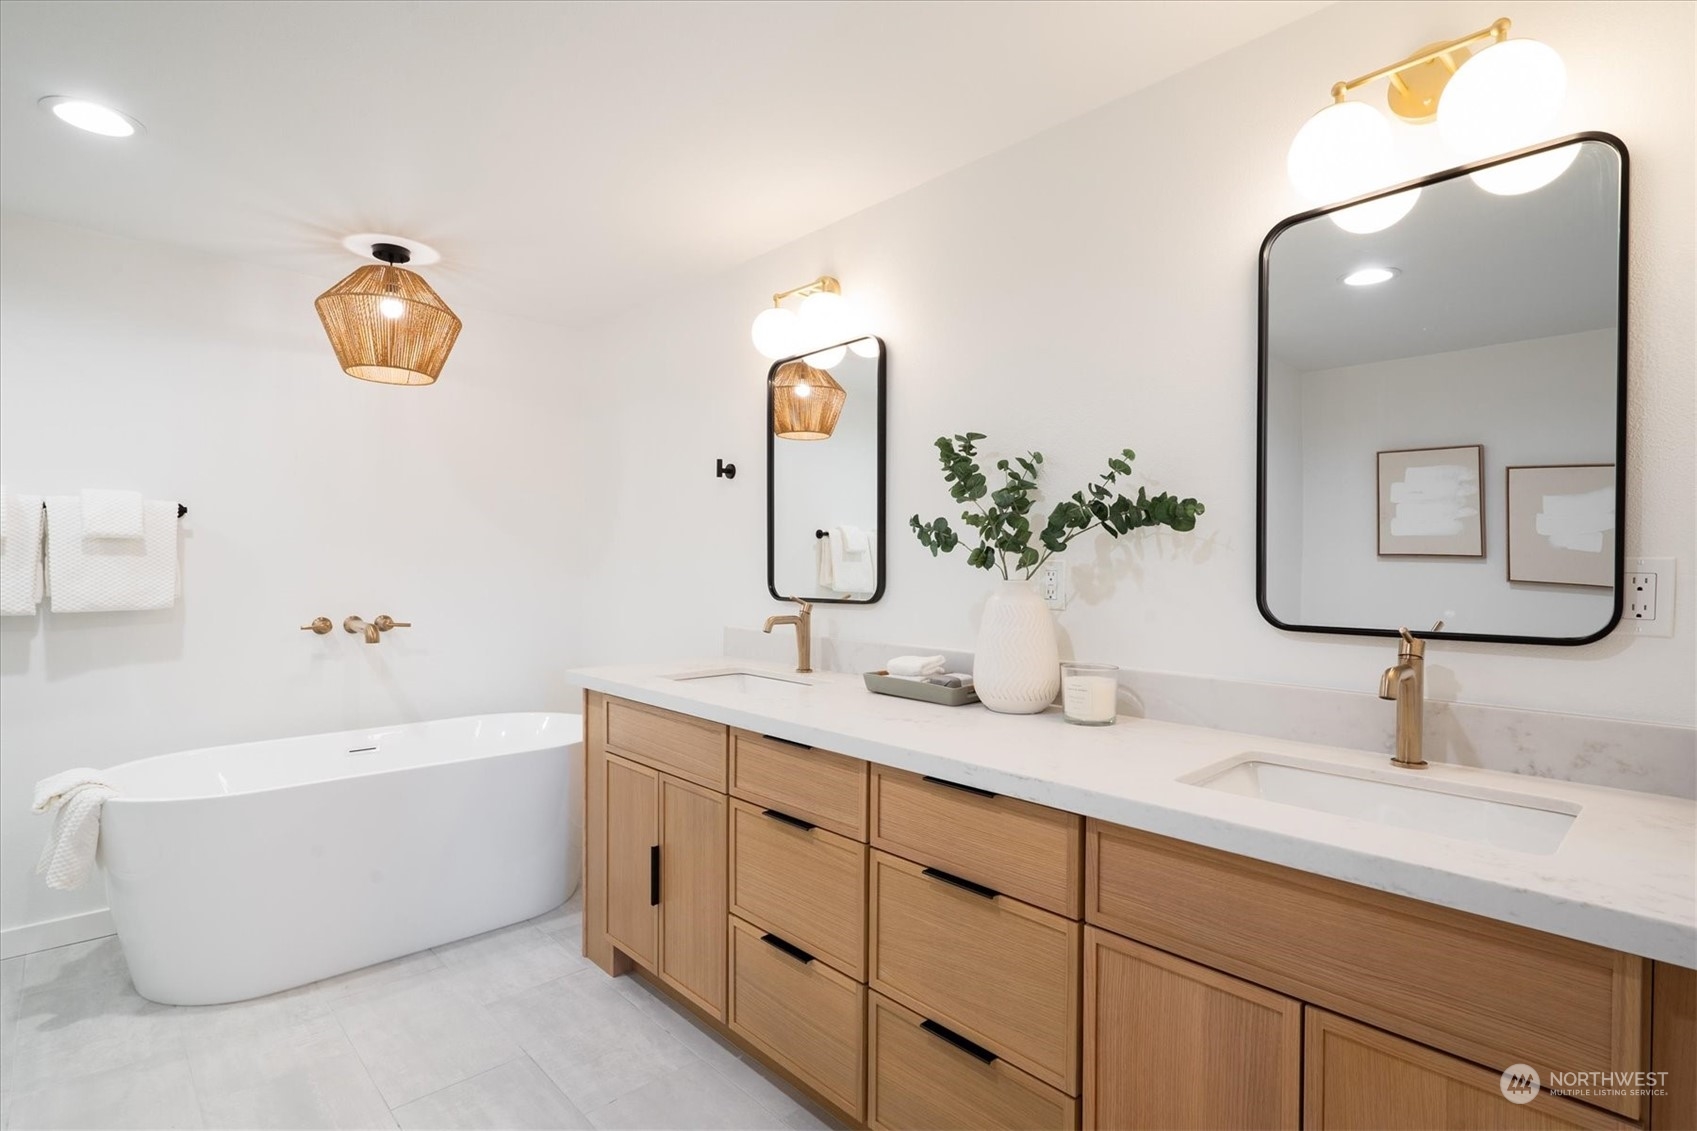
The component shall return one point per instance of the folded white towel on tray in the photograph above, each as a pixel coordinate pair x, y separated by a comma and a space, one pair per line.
915, 665
94, 575
111, 514
20, 555
75, 799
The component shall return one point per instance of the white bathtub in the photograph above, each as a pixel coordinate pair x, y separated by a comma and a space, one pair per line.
237, 871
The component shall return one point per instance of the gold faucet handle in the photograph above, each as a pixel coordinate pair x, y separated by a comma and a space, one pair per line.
806, 606
1411, 646
319, 625
385, 622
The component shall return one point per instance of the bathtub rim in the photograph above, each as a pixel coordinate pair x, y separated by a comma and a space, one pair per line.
126, 799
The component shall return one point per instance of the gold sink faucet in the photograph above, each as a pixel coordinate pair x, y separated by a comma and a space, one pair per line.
803, 622
1406, 683
373, 630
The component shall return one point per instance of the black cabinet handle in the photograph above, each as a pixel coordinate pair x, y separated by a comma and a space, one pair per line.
970, 1048
785, 741
964, 885
654, 876
957, 785
790, 949
805, 826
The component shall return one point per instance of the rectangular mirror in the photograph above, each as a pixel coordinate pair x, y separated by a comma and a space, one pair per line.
825, 474
1443, 394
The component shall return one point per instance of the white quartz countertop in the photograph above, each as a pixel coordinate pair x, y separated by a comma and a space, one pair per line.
1624, 876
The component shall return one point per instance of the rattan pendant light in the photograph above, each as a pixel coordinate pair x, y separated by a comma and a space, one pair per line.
386, 324
806, 402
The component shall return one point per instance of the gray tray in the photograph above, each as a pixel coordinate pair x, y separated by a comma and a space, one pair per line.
883, 683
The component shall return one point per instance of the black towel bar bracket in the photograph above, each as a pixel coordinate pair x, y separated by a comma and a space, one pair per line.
820, 534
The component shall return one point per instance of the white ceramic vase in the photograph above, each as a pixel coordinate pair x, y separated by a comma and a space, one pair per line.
1017, 670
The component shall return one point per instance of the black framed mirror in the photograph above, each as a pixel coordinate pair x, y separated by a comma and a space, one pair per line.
825, 474
1442, 434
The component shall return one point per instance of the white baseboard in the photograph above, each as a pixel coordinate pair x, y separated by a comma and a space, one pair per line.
55, 932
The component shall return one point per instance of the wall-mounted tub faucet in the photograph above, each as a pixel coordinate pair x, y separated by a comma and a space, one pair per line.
373, 630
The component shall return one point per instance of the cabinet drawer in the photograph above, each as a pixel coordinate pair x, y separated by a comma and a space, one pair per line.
693, 749
1027, 851
806, 885
1359, 1077
816, 785
1490, 992
800, 1013
921, 1080
994, 970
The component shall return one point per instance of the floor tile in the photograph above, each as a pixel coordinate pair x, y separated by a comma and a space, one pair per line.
567, 916
155, 1094
695, 1036
423, 1037
328, 1093
691, 1098
515, 1095
11, 988
375, 979
500, 967
591, 1040
96, 958
85, 1027
229, 1056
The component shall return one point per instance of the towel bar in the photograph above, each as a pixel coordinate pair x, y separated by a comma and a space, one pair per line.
181, 509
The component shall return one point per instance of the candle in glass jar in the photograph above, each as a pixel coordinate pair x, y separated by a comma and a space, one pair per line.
1089, 693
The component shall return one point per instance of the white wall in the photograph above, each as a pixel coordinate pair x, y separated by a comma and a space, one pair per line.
130, 365
1095, 287
1544, 401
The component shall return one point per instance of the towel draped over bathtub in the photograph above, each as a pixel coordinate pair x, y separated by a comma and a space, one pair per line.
75, 798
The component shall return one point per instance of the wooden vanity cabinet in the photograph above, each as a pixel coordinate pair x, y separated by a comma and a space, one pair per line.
1170, 1044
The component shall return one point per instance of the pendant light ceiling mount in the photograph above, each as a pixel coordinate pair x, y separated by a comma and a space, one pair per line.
384, 321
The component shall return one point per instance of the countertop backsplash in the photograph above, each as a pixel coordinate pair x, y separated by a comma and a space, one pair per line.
1619, 753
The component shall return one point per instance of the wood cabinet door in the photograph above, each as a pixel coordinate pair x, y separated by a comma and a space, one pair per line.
692, 892
1170, 1044
1360, 1077
630, 849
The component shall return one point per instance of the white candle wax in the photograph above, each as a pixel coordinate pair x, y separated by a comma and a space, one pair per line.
1089, 698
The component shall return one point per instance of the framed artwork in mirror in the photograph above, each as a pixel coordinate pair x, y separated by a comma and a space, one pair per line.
1429, 503
1561, 524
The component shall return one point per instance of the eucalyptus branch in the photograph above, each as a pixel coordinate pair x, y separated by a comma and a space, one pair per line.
1004, 531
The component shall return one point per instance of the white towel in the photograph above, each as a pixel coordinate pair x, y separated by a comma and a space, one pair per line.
75, 798
851, 572
93, 575
111, 514
915, 665
855, 540
20, 555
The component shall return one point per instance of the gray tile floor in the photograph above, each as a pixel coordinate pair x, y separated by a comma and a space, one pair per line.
512, 1029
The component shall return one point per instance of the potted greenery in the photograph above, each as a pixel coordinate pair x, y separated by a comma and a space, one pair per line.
1017, 669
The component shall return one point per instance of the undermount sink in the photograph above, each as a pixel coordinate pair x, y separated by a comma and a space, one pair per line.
1397, 798
741, 679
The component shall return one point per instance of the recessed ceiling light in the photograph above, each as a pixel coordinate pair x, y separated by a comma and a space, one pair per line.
1370, 276
90, 116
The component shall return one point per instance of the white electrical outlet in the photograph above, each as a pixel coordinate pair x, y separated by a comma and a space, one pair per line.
1648, 602
1052, 583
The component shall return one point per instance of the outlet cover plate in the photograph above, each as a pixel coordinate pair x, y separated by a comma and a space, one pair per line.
1658, 593
1052, 583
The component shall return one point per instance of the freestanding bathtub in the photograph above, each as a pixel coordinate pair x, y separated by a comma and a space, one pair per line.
237, 871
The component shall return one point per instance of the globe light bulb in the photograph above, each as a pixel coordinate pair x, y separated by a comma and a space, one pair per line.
391, 308
1376, 215
803, 389
821, 317
1525, 174
774, 333
828, 359
1505, 97
1343, 151
864, 347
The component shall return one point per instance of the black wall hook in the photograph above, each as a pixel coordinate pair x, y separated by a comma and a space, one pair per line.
724, 470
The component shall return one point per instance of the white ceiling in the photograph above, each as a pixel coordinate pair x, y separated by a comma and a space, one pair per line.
565, 158
1475, 270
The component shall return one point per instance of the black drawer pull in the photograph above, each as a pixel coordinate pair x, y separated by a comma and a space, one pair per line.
785, 741
964, 885
805, 826
970, 1048
654, 876
957, 785
790, 949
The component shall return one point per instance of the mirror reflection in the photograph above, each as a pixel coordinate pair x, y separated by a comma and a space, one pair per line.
825, 474
1440, 406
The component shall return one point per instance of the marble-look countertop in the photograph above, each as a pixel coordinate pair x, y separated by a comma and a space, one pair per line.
1624, 876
